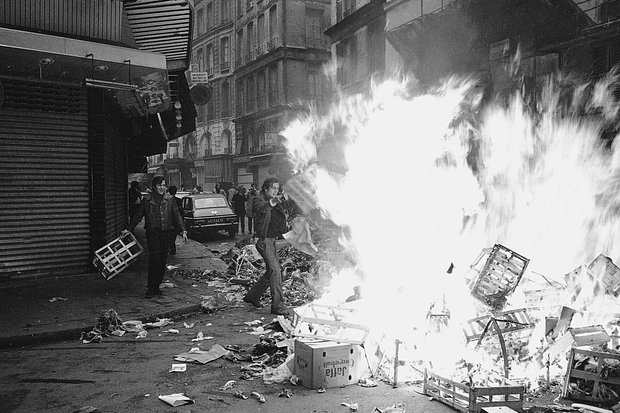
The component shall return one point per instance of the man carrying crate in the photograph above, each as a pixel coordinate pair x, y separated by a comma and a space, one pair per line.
162, 221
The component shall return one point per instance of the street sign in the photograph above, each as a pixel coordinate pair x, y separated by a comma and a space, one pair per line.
199, 77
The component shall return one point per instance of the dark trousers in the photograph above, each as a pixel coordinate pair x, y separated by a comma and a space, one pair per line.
272, 278
249, 225
241, 223
158, 242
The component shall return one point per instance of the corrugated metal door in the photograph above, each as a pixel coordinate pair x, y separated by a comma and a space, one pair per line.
44, 204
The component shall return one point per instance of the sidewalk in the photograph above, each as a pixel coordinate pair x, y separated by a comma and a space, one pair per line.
27, 316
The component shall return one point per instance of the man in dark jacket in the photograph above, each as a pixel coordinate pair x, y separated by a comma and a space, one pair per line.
269, 224
172, 190
162, 221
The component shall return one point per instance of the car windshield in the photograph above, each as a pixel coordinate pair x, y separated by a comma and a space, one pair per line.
215, 202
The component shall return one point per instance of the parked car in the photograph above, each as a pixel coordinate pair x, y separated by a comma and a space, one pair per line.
208, 213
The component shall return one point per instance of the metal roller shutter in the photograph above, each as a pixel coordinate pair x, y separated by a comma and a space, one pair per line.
44, 171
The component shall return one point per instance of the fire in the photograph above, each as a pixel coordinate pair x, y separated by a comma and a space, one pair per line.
429, 179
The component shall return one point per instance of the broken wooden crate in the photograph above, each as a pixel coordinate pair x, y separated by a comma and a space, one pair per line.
499, 276
508, 321
604, 269
328, 322
592, 376
114, 257
472, 399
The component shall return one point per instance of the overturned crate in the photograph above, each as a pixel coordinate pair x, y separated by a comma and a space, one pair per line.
499, 276
472, 399
593, 376
114, 257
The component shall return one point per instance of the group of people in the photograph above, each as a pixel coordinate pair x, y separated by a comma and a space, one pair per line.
267, 216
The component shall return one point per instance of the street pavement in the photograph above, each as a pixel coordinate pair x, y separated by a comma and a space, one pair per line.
60, 308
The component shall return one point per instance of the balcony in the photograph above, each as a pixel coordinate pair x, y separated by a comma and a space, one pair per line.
208, 152
273, 43
260, 50
238, 63
224, 66
210, 70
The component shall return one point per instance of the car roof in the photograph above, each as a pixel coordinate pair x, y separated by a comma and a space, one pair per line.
196, 196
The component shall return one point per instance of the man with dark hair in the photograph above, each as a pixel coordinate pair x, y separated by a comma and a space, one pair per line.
172, 190
269, 225
161, 223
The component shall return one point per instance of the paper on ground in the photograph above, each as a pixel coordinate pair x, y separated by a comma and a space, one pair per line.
202, 356
177, 399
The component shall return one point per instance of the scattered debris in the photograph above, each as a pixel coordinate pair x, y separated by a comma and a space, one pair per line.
200, 337
186, 325
180, 367
229, 385
167, 284
196, 355
171, 331
54, 299
87, 409
352, 406
142, 334
239, 394
177, 399
258, 396
321, 390
285, 393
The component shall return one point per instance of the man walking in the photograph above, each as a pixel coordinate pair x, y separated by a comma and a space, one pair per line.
161, 223
269, 224
172, 190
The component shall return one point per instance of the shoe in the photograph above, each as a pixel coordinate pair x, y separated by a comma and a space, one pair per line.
173, 252
281, 311
255, 303
158, 292
150, 294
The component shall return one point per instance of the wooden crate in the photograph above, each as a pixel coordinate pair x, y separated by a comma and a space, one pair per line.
499, 277
114, 257
512, 320
472, 399
327, 322
595, 381
604, 269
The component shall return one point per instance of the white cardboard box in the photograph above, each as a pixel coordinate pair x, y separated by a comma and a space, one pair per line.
327, 363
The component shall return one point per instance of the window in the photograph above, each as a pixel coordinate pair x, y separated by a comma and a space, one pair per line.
239, 51
239, 100
315, 90
273, 23
249, 32
314, 28
273, 85
260, 35
260, 92
225, 11
224, 53
209, 16
201, 60
210, 59
200, 22
239, 7
250, 93
225, 106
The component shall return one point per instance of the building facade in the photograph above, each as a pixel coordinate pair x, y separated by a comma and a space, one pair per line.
357, 43
87, 90
279, 56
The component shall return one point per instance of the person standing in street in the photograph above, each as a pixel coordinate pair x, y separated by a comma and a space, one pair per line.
162, 221
252, 193
172, 190
239, 200
135, 198
269, 225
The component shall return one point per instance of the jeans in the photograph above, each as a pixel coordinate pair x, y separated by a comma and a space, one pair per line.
241, 223
158, 242
272, 278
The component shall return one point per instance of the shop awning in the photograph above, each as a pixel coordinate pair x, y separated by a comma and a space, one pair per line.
163, 26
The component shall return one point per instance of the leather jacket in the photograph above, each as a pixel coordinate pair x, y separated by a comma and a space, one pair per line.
262, 209
170, 216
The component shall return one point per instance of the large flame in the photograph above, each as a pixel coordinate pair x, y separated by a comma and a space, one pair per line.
429, 179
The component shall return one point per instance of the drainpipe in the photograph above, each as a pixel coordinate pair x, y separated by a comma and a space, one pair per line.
284, 68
